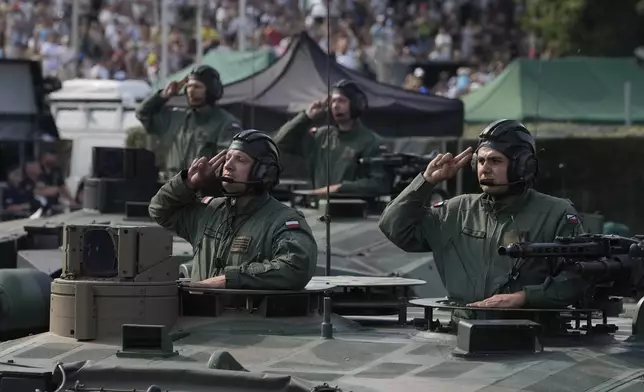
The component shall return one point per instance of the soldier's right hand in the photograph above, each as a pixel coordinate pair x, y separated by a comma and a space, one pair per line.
174, 87
444, 166
316, 109
200, 173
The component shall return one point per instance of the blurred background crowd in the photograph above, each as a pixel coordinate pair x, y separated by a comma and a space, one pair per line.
120, 39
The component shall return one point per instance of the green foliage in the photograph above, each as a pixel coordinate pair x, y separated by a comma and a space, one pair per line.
554, 22
586, 27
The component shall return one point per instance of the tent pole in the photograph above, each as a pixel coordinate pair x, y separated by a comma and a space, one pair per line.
459, 174
627, 103
443, 184
75, 27
163, 74
199, 35
241, 30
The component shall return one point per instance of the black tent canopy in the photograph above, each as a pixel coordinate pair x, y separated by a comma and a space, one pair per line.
269, 98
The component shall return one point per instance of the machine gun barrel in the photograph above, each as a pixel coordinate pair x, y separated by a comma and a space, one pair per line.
584, 246
397, 160
552, 249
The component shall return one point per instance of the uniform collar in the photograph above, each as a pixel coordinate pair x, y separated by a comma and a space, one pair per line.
204, 110
254, 204
355, 129
506, 204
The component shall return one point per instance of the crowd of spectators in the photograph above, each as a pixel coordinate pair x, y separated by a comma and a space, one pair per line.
120, 39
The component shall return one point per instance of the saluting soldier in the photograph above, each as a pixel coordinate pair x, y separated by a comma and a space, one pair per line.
465, 232
247, 239
349, 141
202, 129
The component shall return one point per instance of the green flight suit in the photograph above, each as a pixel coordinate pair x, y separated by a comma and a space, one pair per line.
465, 233
295, 137
264, 245
187, 133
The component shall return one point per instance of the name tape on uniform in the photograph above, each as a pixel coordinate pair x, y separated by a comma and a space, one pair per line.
293, 224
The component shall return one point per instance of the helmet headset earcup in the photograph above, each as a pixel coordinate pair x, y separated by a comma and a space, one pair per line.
358, 105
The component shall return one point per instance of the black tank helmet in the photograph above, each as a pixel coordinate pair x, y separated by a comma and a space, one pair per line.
512, 139
266, 169
354, 93
211, 79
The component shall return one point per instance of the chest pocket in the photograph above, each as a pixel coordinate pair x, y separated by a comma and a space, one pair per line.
245, 249
349, 154
201, 135
472, 246
474, 233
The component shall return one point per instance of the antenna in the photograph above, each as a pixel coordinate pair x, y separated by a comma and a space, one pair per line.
252, 88
536, 118
327, 218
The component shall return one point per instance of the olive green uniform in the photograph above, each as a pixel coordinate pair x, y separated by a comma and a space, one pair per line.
264, 245
347, 147
187, 133
465, 233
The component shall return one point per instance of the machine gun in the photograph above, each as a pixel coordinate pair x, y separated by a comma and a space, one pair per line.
403, 168
614, 265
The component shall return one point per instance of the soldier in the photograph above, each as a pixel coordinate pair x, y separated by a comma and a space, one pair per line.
17, 201
350, 140
466, 231
201, 130
247, 239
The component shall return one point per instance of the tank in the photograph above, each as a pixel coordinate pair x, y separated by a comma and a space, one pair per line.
122, 320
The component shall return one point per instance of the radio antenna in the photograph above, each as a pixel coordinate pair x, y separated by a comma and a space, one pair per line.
327, 217
536, 115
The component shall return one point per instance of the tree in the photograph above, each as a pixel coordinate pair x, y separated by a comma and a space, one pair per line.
554, 22
586, 27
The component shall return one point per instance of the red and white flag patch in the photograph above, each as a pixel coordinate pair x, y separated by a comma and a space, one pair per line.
292, 224
207, 199
571, 218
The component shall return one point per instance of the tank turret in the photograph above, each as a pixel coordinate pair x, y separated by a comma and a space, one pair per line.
114, 275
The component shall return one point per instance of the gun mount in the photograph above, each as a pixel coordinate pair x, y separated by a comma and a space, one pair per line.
403, 168
598, 257
613, 265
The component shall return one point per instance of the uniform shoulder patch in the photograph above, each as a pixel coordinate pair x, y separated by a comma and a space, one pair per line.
235, 125
572, 219
313, 129
207, 199
439, 204
292, 224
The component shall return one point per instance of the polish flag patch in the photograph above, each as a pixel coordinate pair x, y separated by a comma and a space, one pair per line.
292, 224
207, 199
571, 218
313, 129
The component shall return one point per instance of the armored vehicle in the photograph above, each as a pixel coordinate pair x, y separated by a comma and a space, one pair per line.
121, 320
